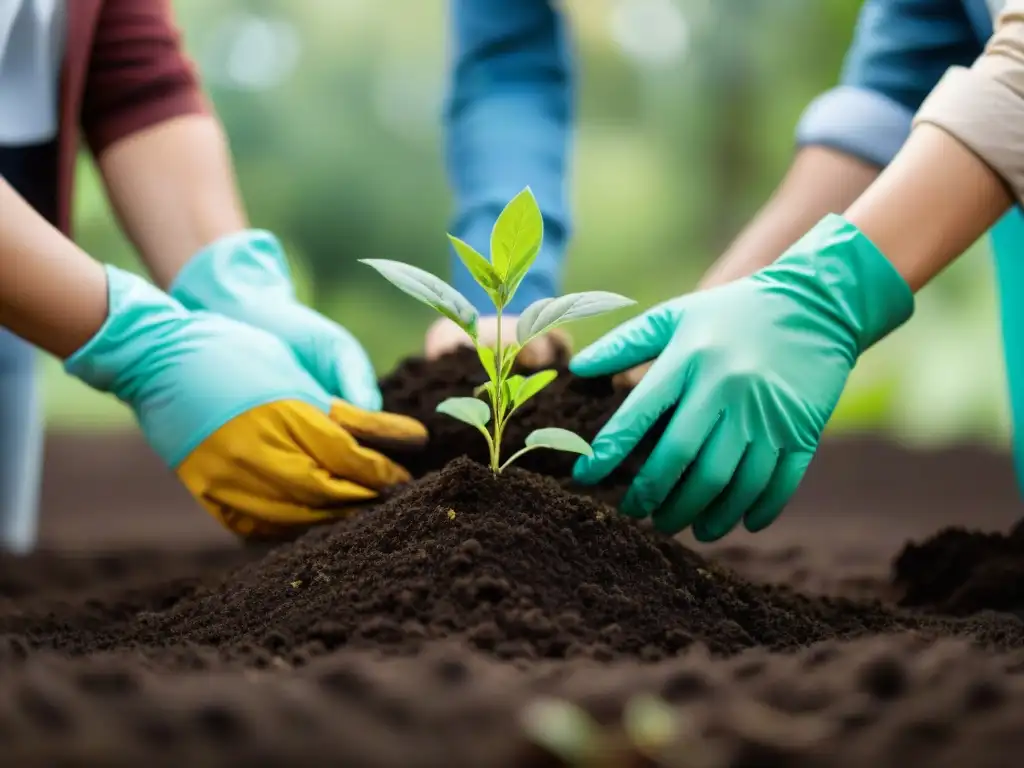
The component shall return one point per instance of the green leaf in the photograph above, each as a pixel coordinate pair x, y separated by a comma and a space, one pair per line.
517, 235
509, 359
532, 385
506, 398
466, 409
478, 266
558, 439
515, 277
487, 387
514, 383
486, 355
430, 289
563, 729
547, 314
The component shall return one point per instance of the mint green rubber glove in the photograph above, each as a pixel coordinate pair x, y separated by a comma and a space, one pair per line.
753, 370
185, 374
1008, 252
245, 276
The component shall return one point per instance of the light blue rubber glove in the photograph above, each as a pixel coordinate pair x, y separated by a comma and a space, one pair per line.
245, 276
753, 371
185, 374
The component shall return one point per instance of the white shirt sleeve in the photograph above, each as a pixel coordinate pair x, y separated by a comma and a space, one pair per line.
32, 34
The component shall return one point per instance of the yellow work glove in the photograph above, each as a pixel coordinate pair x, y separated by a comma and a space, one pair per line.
259, 443
281, 467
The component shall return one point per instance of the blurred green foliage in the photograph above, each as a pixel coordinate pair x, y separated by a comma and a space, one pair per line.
686, 113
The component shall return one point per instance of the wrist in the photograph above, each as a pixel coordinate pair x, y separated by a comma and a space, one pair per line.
839, 270
231, 270
137, 312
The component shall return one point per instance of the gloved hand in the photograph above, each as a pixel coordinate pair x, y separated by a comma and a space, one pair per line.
445, 336
245, 276
753, 370
255, 439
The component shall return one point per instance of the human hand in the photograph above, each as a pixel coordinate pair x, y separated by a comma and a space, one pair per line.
753, 370
444, 336
256, 440
245, 277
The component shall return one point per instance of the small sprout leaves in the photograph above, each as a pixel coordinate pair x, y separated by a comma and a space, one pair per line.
466, 409
558, 439
514, 383
516, 239
547, 314
517, 235
529, 387
481, 269
296, 584
561, 728
430, 289
509, 359
451, 514
486, 355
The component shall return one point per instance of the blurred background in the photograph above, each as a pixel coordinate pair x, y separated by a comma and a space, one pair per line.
686, 116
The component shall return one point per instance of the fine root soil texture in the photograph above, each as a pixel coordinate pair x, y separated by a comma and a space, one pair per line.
425, 631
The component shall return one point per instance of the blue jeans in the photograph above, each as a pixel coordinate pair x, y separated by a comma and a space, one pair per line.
21, 444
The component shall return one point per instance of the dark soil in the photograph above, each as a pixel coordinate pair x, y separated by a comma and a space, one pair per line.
959, 572
416, 633
582, 405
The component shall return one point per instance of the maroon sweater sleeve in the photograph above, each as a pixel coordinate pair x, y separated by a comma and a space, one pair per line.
138, 73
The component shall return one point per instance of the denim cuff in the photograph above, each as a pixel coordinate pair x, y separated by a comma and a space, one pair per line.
856, 121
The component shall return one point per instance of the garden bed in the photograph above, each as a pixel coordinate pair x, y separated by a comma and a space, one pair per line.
417, 633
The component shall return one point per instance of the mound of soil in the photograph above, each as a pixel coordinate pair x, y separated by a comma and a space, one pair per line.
517, 567
959, 572
514, 565
416, 633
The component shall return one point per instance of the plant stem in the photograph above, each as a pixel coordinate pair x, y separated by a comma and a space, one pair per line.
516, 455
498, 406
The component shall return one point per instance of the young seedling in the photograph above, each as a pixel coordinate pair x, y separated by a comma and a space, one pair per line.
515, 242
646, 735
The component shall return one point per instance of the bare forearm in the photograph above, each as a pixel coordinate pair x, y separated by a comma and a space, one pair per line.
930, 205
820, 181
174, 191
51, 293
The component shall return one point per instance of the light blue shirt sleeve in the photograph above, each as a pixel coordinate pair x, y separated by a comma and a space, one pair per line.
507, 124
900, 50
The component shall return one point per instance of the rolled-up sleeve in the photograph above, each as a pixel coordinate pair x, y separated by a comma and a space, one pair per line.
138, 73
983, 106
507, 127
900, 50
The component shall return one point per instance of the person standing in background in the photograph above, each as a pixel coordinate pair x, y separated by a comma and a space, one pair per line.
752, 378
507, 126
113, 72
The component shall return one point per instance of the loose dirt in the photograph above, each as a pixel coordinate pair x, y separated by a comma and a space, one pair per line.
418, 633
